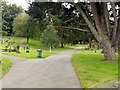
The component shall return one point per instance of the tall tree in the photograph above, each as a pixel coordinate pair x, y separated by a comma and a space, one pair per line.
64, 18
49, 37
25, 26
105, 30
21, 25
9, 12
102, 19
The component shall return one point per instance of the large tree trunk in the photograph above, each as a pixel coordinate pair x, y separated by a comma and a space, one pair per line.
109, 51
101, 16
109, 54
100, 29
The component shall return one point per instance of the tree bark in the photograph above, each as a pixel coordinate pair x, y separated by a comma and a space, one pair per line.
106, 15
90, 25
100, 28
109, 51
117, 37
62, 43
61, 36
102, 25
115, 21
90, 43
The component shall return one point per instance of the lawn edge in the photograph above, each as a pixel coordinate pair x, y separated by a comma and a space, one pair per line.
103, 82
7, 71
77, 75
26, 57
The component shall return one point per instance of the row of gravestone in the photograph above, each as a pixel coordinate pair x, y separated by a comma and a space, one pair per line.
12, 47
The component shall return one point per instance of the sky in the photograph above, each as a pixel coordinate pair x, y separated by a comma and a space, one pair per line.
22, 3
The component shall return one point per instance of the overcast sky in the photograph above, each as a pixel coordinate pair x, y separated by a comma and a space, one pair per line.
22, 3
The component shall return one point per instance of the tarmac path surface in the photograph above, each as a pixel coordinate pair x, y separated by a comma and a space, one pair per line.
55, 71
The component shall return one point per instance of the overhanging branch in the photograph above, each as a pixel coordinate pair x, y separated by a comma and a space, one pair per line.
106, 14
90, 25
65, 27
115, 21
81, 24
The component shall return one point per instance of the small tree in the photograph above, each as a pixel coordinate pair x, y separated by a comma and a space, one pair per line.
50, 38
20, 25
25, 26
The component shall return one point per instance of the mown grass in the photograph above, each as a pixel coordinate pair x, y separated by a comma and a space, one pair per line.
34, 45
31, 54
38, 45
92, 70
4, 66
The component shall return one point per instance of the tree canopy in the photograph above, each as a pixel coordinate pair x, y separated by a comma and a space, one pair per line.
101, 18
50, 37
65, 19
9, 12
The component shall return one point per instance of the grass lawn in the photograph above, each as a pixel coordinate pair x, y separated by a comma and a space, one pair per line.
34, 45
31, 54
5, 66
91, 70
38, 45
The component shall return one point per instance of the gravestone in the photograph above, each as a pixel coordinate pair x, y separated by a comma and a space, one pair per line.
6, 47
17, 49
6, 40
27, 49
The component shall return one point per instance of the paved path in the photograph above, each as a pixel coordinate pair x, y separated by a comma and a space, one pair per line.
55, 71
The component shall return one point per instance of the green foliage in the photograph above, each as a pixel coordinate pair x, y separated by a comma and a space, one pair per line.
4, 66
49, 37
9, 12
25, 26
92, 70
39, 10
63, 20
20, 24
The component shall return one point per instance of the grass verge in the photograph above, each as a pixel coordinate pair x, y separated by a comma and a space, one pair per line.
31, 54
4, 66
91, 70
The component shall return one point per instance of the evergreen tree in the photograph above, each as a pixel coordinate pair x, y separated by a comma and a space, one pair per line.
49, 37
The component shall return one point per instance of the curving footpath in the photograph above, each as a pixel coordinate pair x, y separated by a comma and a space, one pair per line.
55, 71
